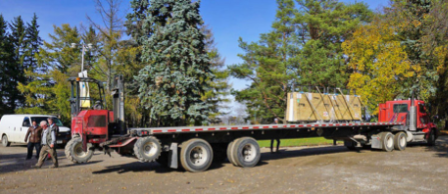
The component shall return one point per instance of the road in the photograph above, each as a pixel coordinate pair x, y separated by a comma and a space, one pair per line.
323, 169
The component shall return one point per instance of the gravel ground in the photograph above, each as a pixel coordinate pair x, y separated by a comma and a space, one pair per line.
323, 169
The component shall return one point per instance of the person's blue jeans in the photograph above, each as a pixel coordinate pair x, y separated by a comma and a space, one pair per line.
30, 150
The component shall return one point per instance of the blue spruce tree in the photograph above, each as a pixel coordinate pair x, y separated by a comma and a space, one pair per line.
172, 83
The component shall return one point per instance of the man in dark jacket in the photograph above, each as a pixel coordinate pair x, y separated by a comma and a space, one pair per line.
34, 134
48, 145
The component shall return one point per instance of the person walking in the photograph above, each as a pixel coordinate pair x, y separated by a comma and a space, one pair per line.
278, 140
48, 145
34, 134
53, 127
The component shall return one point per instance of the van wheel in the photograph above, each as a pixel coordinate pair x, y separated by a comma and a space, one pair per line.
5, 141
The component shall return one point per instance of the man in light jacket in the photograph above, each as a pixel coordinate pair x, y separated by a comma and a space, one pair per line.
48, 145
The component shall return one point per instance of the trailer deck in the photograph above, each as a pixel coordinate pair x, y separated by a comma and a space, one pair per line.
186, 129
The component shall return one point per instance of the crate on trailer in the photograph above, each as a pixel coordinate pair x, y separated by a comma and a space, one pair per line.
311, 107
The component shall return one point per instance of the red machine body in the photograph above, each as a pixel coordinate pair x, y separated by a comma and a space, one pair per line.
92, 123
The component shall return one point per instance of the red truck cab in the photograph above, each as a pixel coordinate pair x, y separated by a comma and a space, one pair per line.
399, 111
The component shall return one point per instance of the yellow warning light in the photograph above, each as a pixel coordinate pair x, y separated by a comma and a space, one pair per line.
78, 79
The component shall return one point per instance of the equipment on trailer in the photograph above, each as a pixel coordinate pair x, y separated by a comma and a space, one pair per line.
195, 148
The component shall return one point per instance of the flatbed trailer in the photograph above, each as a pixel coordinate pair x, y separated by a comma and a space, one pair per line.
195, 148
238, 142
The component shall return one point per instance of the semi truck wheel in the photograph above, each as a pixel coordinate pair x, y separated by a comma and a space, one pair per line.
387, 138
5, 141
74, 152
431, 138
400, 142
196, 155
147, 149
246, 152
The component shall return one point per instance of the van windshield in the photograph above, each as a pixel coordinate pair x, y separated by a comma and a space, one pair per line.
39, 119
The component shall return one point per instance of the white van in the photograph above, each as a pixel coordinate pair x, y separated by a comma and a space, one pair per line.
13, 128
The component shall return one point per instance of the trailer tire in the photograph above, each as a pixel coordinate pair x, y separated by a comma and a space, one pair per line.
73, 151
246, 152
230, 152
5, 141
431, 138
400, 142
387, 139
196, 155
147, 149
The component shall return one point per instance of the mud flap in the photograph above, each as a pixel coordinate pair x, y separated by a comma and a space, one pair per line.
376, 142
173, 156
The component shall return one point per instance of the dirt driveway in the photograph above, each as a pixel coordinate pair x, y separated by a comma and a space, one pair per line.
327, 169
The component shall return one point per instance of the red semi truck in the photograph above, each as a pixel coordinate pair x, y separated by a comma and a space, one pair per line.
195, 148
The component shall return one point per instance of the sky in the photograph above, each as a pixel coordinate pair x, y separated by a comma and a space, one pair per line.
229, 20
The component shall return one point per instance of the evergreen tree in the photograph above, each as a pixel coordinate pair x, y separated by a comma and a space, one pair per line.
34, 42
9, 70
435, 44
18, 39
49, 90
58, 52
303, 47
270, 65
172, 83
322, 27
219, 83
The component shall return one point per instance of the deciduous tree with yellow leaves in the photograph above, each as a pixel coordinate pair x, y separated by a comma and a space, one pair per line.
379, 62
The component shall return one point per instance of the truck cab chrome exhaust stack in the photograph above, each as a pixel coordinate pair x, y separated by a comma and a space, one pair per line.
412, 116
